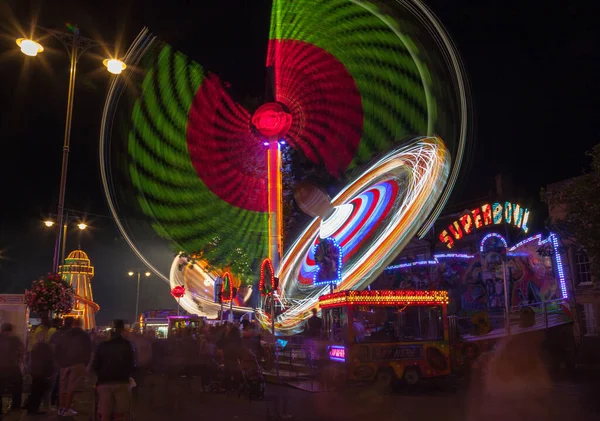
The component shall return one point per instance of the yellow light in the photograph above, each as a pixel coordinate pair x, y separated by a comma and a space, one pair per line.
29, 47
49, 223
82, 226
114, 66
130, 273
147, 274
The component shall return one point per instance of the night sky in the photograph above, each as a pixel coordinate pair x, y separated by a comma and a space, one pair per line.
533, 67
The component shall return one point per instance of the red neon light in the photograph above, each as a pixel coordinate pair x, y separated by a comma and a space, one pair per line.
272, 121
477, 218
467, 223
227, 294
455, 230
266, 264
487, 214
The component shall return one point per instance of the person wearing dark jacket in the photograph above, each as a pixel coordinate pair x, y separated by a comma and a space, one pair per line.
11, 357
72, 353
42, 368
114, 364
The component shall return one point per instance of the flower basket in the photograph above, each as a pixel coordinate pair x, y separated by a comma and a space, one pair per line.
50, 294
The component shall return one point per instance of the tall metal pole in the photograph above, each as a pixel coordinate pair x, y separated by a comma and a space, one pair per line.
506, 296
273, 313
137, 299
274, 198
64, 240
65, 154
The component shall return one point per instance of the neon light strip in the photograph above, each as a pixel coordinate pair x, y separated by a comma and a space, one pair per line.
383, 298
559, 266
339, 265
492, 234
435, 260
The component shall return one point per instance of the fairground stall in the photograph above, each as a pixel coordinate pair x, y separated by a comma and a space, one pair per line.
388, 335
156, 322
500, 278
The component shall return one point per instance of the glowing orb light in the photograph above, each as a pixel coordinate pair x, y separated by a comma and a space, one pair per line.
29, 47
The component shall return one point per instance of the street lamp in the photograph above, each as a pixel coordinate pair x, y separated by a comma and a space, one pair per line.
75, 45
29, 47
66, 220
114, 66
137, 299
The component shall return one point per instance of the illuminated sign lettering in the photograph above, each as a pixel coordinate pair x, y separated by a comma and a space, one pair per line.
337, 353
488, 214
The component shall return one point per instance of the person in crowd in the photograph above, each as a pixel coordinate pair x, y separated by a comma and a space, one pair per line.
11, 358
41, 369
53, 334
40, 334
206, 353
315, 325
114, 364
232, 352
73, 351
142, 347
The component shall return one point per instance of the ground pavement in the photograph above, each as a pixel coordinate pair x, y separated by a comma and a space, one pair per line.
181, 399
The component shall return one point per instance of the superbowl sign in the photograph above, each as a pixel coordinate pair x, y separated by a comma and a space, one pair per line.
486, 215
405, 352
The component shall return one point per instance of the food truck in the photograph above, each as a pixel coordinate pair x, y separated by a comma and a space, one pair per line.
387, 335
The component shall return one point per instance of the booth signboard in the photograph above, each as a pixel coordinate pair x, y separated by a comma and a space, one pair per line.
13, 310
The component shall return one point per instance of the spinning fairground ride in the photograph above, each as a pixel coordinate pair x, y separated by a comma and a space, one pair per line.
370, 93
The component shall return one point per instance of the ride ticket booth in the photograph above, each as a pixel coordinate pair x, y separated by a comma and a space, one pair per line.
387, 335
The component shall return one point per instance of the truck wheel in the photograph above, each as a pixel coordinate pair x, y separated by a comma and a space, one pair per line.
385, 378
411, 376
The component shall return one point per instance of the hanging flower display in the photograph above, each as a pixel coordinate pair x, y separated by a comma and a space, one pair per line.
52, 294
178, 291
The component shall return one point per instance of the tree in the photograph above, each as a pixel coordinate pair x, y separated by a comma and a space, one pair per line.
577, 204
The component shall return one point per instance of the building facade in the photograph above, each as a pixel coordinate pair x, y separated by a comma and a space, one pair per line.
586, 289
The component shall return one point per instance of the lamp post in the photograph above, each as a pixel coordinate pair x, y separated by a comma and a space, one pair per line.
66, 220
75, 45
137, 299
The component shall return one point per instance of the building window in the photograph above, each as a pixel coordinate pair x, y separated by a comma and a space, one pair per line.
582, 266
588, 318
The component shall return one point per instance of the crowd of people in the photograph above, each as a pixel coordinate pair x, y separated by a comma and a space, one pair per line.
60, 356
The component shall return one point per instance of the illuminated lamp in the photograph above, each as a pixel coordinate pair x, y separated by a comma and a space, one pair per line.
114, 66
49, 223
178, 291
272, 120
29, 47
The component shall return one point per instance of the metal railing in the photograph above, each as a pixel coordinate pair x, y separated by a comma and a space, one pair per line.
533, 316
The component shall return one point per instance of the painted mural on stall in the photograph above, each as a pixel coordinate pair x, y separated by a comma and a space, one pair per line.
476, 283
